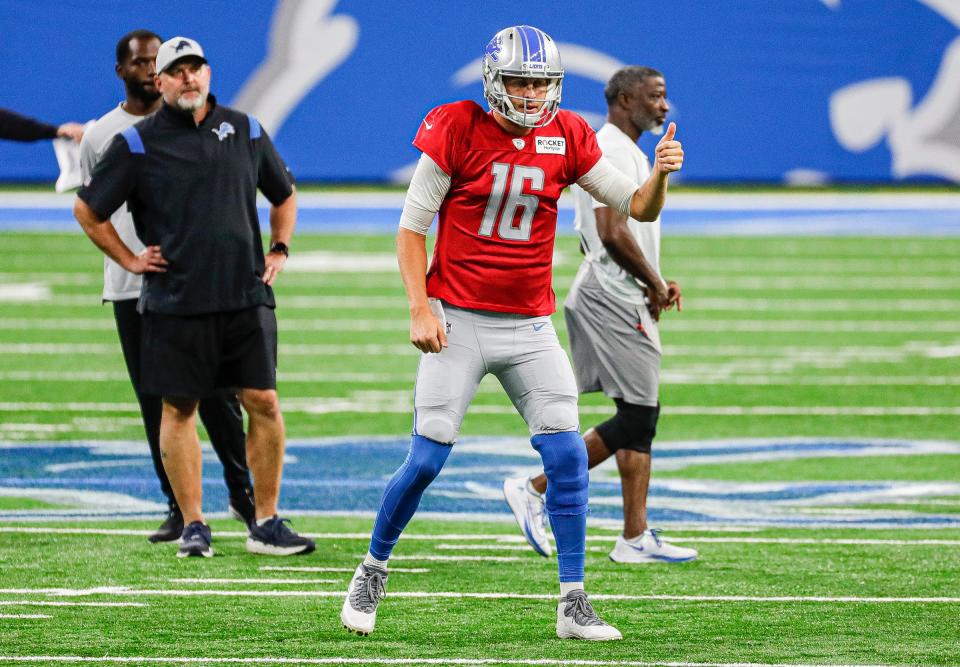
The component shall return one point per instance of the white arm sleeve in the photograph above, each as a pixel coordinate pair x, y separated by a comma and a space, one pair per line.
428, 187
609, 185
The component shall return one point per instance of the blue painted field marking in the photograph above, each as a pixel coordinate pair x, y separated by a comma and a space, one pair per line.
348, 475
786, 213
787, 222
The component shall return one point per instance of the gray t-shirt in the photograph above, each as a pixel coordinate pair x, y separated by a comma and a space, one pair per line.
626, 156
118, 283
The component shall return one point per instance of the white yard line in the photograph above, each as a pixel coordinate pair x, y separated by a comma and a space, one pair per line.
120, 376
89, 324
719, 267
825, 540
266, 580
50, 603
687, 324
344, 660
825, 305
393, 570
73, 349
431, 557
695, 375
814, 410
501, 538
488, 547
698, 303
810, 326
687, 201
123, 591
793, 353
677, 539
404, 406
843, 283
39, 616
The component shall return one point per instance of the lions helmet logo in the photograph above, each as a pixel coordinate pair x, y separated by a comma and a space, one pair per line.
494, 46
224, 131
182, 44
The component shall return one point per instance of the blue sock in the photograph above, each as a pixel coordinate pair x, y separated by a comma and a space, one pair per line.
402, 495
565, 464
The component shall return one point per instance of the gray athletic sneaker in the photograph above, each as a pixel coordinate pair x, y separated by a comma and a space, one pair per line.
367, 588
576, 619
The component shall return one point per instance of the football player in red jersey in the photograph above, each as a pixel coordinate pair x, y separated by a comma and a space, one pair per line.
484, 305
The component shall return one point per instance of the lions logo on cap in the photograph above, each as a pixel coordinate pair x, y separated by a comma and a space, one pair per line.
182, 44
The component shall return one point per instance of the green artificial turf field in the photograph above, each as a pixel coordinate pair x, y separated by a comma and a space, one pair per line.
780, 338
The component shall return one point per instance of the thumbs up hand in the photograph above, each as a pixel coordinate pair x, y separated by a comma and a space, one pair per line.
669, 152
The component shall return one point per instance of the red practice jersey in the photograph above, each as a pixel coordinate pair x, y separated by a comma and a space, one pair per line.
498, 221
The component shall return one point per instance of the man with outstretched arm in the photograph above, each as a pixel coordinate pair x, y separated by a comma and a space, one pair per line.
612, 312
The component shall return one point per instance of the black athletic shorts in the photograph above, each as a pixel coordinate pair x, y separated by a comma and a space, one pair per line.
193, 356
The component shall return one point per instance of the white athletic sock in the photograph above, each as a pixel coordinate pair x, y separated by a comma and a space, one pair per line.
567, 586
532, 490
370, 560
262, 521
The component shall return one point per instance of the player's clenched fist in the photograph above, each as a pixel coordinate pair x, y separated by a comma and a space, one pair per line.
669, 153
426, 332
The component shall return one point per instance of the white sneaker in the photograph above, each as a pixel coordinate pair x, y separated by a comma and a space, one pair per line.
648, 547
576, 619
367, 588
530, 513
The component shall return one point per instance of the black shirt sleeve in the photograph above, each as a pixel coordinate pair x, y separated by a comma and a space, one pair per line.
112, 181
21, 128
274, 178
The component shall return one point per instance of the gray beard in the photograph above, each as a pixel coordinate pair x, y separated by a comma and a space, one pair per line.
186, 105
645, 124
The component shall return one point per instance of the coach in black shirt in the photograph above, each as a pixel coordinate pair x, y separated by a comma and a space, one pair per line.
189, 175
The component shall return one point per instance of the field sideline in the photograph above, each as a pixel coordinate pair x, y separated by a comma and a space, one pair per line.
807, 448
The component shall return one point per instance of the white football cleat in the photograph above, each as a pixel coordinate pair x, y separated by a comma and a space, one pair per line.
530, 512
648, 547
367, 588
576, 619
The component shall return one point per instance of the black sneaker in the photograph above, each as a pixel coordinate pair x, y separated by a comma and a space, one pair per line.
195, 541
170, 529
275, 538
242, 507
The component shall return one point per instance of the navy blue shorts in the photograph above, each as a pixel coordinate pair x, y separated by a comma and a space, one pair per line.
194, 356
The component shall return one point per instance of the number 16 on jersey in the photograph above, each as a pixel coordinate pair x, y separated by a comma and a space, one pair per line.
521, 176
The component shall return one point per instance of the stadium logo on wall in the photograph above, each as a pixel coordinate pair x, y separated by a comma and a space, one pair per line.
923, 139
75, 477
307, 42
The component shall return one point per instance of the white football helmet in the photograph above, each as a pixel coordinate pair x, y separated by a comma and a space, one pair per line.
528, 52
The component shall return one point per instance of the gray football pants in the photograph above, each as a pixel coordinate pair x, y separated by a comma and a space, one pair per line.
523, 352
